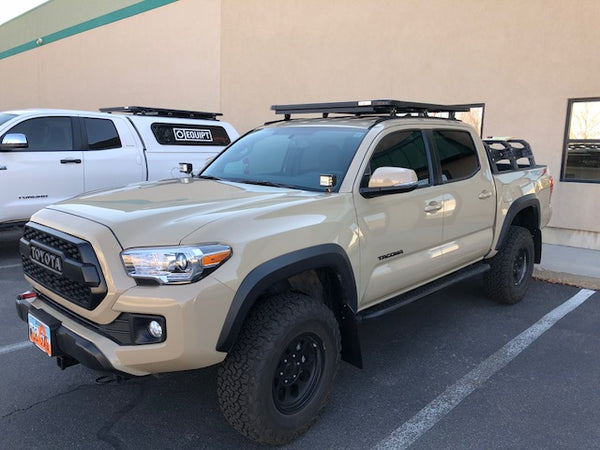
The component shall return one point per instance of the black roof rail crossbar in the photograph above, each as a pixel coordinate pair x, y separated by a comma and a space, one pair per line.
162, 112
506, 150
391, 107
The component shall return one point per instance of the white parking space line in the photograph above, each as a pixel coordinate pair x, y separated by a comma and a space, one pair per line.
14, 347
10, 266
410, 431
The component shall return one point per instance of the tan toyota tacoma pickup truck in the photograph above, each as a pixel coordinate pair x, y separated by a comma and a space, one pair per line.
269, 259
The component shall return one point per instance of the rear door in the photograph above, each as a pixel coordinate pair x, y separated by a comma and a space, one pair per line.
50, 169
112, 157
469, 202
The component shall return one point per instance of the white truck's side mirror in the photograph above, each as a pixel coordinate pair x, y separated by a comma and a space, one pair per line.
14, 140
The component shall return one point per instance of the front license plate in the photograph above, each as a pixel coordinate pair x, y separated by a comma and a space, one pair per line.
39, 334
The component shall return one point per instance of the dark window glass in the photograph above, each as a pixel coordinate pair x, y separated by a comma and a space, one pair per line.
101, 134
581, 156
457, 153
401, 149
186, 134
46, 134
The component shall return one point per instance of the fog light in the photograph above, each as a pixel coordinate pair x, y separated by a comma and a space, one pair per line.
155, 329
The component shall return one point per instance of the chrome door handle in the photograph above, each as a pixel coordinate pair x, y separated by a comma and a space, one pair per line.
484, 194
433, 207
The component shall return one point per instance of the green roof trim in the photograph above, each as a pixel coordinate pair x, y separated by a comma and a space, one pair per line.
105, 19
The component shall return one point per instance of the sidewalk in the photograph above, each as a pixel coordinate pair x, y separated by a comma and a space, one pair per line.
569, 265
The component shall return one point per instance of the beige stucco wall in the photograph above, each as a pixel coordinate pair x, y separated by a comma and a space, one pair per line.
523, 59
169, 56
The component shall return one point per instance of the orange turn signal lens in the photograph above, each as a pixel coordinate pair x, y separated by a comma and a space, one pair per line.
214, 259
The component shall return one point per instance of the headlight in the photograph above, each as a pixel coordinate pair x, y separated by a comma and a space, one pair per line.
174, 265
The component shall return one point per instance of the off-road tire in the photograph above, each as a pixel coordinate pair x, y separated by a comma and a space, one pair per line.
277, 377
508, 279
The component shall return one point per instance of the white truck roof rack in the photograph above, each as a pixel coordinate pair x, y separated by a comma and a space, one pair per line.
162, 112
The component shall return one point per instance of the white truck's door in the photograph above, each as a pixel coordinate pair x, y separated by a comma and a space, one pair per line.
47, 171
111, 155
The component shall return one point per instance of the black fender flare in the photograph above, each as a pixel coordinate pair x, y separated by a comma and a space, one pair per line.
285, 266
527, 201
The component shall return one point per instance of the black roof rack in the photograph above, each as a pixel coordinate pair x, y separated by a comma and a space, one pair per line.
391, 107
162, 112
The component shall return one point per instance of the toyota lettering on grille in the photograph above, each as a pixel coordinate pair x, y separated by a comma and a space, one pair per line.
46, 259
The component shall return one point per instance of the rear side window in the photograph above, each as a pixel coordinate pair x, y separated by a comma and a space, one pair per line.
101, 134
46, 134
457, 154
186, 134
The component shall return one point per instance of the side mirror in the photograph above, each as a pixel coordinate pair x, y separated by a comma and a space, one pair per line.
12, 141
186, 168
390, 180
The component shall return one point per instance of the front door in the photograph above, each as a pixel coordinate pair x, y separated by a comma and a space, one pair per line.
50, 169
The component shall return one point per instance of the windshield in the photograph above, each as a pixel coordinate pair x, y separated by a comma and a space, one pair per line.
294, 157
5, 117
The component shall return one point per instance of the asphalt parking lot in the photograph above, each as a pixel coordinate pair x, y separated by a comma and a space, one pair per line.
451, 371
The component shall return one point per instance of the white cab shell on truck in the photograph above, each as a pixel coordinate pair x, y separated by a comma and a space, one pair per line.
48, 155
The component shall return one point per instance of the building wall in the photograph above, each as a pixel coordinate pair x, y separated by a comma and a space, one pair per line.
169, 56
522, 59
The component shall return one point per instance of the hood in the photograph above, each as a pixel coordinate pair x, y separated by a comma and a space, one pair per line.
164, 212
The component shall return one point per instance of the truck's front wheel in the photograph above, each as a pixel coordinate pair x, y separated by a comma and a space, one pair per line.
510, 273
276, 379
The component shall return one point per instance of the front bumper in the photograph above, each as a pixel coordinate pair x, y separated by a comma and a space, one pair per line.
192, 325
70, 345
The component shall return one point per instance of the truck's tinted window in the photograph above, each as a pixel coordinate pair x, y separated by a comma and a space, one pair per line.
457, 154
401, 149
186, 134
46, 134
101, 134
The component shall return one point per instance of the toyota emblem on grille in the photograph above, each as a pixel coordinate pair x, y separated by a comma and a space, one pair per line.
46, 259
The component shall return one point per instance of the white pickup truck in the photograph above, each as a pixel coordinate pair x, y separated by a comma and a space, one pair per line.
48, 155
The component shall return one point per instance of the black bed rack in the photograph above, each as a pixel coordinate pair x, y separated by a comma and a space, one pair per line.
504, 154
162, 112
369, 107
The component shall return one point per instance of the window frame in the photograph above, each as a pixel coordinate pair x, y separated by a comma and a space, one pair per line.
567, 141
75, 141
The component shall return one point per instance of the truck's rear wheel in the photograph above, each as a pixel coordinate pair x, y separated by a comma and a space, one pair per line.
276, 379
508, 279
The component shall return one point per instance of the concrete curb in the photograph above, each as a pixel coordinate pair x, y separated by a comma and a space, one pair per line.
566, 278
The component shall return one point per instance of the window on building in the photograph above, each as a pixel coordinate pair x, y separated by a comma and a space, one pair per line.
581, 151
457, 154
45, 134
101, 134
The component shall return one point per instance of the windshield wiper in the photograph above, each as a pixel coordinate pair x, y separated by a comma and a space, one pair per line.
267, 183
208, 177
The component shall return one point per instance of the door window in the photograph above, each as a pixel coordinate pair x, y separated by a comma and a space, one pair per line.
101, 134
401, 149
46, 134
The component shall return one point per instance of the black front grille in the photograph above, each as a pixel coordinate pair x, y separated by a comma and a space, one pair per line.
69, 249
80, 280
